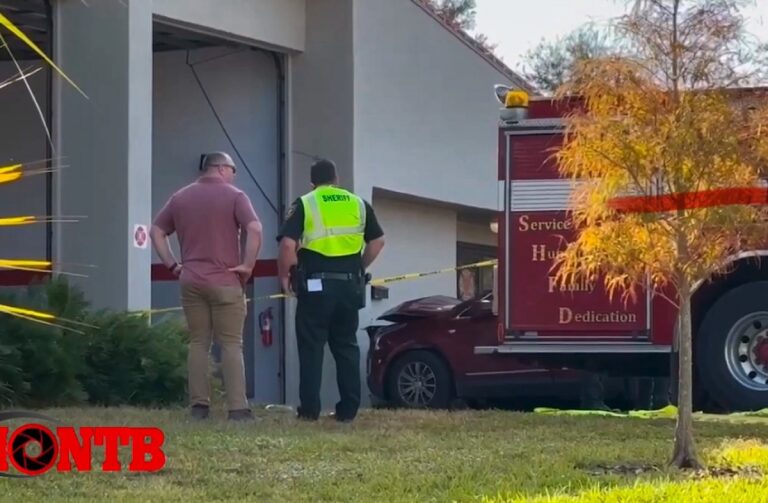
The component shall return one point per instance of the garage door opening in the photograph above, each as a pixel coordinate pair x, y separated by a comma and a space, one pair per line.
210, 94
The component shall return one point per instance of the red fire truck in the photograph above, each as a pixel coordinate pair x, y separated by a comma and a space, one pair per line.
582, 328
528, 333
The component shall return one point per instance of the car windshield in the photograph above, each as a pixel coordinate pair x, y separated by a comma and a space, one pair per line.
461, 309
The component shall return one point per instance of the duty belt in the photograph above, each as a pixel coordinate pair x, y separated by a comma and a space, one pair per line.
344, 276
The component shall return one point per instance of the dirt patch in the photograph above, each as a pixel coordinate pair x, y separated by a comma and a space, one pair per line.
636, 469
727, 471
621, 469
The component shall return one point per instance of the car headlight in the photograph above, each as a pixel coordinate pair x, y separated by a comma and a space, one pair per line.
384, 331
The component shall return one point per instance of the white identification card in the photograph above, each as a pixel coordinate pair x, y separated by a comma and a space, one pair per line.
315, 285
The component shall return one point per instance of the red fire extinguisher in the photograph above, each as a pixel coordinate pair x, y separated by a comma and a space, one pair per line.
265, 323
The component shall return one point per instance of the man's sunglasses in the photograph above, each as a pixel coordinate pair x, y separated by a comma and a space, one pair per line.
234, 169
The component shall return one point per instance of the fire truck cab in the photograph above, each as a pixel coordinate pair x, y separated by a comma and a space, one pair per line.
582, 328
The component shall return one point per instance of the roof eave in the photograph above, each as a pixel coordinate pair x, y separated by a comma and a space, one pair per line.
476, 47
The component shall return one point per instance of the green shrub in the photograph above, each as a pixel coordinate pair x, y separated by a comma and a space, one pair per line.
39, 364
8, 376
122, 361
130, 362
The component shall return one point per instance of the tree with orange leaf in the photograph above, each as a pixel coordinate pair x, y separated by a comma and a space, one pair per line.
665, 126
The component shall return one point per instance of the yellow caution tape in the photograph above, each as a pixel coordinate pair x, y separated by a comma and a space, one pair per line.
172, 309
668, 412
404, 277
375, 282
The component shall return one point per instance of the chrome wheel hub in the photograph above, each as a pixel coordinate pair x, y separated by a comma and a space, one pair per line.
746, 351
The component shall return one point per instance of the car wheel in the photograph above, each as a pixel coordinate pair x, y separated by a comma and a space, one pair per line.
731, 350
420, 379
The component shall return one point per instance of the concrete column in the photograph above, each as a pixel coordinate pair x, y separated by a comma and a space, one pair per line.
106, 142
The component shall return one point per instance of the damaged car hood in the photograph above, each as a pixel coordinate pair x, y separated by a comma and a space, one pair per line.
424, 307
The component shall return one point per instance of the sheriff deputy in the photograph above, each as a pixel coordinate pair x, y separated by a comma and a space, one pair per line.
328, 241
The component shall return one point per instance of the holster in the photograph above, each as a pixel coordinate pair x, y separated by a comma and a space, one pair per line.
365, 278
298, 281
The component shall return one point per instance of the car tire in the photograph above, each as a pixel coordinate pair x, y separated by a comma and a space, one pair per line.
426, 368
731, 346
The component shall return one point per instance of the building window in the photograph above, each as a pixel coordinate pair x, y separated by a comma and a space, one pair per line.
477, 281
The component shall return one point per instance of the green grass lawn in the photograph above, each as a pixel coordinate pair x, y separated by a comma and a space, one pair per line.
393, 456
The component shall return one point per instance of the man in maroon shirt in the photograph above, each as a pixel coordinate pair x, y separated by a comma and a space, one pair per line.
208, 216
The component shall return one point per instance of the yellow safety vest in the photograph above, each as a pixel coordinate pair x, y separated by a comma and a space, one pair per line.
334, 222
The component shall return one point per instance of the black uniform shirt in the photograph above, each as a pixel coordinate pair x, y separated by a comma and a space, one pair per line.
313, 262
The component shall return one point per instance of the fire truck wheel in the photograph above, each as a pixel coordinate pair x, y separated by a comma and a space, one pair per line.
420, 379
731, 350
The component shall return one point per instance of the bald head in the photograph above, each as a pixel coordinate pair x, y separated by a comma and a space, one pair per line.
219, 164
215, 159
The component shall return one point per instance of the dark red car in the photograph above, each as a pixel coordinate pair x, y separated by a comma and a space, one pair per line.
425, 358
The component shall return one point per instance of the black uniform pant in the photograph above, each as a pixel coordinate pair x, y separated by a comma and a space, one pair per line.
330, 316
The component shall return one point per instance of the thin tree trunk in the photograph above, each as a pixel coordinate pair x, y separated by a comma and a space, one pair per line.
675, 53
684, 455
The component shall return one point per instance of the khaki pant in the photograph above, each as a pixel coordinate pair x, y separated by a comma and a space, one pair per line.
215, 312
